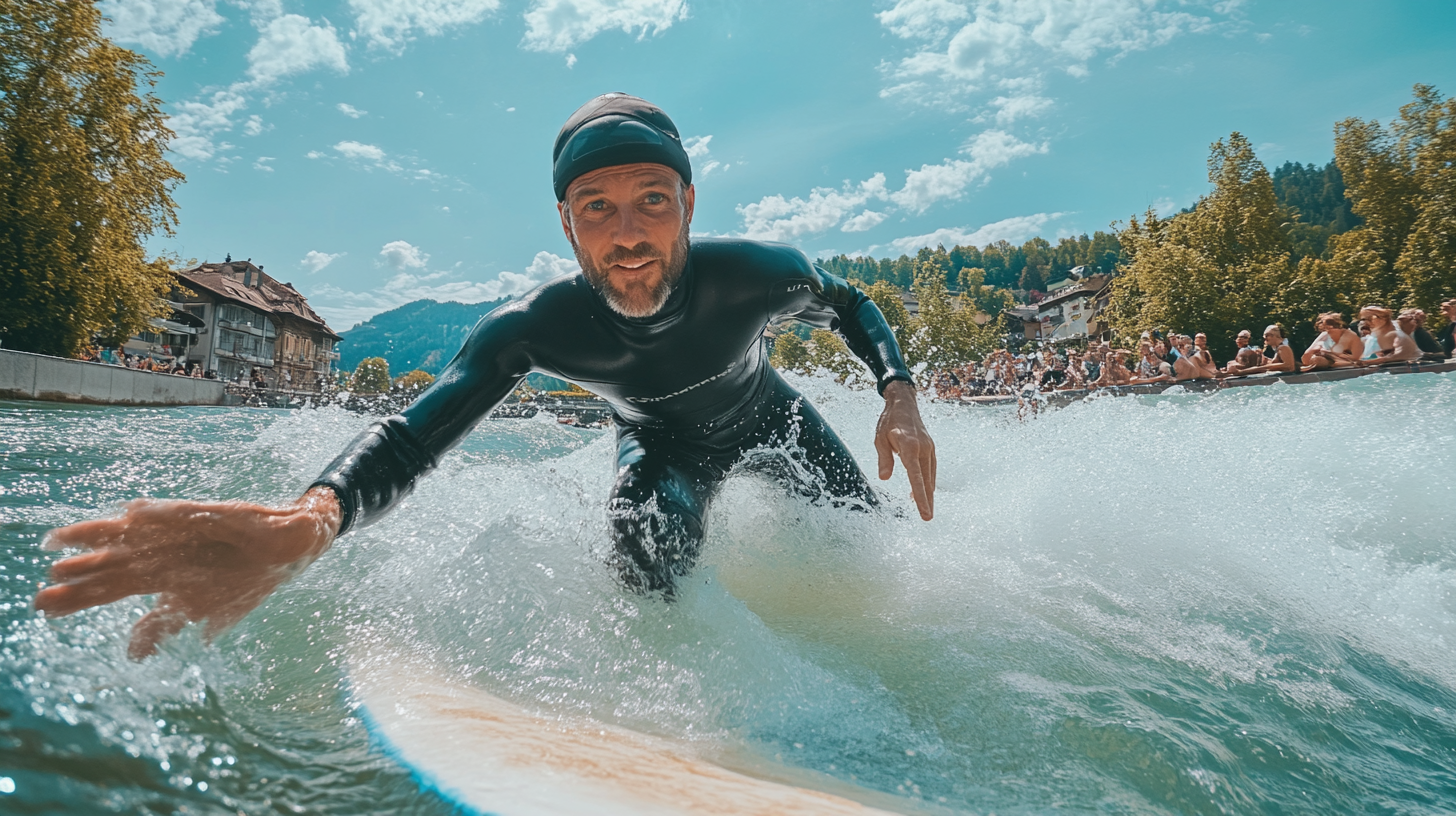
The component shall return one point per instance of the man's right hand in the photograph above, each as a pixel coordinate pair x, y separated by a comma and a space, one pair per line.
212, 561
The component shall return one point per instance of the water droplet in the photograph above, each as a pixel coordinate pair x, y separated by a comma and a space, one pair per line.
7, 785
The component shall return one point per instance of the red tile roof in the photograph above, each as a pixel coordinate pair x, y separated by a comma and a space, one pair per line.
265, 294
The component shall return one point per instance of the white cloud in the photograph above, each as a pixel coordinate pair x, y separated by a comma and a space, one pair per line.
995, 40
1011, 108
401, 255
166, 28
558, 25
254, 126
938, 182
1166, 207
1015, 230
345, 308
315, 154
923, 19
195, 122
361, 151
570, 60
391, 24
775, 218
696, 146
262, 164
315, 260
867, 220
351, 111
292, 44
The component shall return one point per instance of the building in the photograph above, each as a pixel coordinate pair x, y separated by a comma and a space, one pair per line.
1068, 314
242, 320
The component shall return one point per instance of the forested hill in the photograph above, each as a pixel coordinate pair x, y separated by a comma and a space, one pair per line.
424, 334
1312, 197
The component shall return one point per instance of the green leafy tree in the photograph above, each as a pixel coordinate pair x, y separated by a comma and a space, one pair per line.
414, 382
789, 353
85, 181
828, 351
1218, 268
370, 377
946, 332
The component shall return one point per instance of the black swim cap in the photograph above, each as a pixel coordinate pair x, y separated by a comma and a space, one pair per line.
616, 129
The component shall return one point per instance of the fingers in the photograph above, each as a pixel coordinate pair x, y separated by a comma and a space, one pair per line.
65, 599
156, 626
88, 534
929, 467
915, 471
887, 455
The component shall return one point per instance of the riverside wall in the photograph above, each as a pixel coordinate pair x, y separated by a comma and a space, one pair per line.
27, 376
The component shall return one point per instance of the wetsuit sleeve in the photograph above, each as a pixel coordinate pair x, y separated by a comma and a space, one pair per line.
827, 301
381, 466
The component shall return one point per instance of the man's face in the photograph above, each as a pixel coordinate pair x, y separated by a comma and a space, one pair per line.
1243, 339
629, 228
1407, 323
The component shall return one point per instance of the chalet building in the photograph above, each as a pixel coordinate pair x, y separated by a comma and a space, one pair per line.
242, 319
1072, 309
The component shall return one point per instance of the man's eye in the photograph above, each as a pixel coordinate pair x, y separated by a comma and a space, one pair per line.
597, 205
655, 198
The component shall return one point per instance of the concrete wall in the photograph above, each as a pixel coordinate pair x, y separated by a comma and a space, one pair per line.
56, 379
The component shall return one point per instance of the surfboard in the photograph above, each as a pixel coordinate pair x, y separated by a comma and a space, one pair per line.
487, 755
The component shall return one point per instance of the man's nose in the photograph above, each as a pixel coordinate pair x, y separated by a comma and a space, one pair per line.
628, 228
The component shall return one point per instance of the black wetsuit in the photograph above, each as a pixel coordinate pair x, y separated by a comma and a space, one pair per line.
690, 387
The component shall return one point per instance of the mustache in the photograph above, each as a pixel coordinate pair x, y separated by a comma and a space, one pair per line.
641, 252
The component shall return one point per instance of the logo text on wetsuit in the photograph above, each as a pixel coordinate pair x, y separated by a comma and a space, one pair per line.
680, 392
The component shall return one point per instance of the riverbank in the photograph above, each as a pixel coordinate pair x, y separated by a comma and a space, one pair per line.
1067, 397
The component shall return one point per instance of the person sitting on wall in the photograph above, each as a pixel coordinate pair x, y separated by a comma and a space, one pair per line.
1381, 340
1245, 358
1192, 364
1152, 368
1403, 347
1336, 347
1114, 369
1447, 335
1431, 350
1278, 357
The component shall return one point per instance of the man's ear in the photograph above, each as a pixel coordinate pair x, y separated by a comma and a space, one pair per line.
565, 221
689, 196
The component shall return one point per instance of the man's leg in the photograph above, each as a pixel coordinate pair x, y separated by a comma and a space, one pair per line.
819, 466
656, 509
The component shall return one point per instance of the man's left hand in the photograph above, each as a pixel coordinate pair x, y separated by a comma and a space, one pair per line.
901, 433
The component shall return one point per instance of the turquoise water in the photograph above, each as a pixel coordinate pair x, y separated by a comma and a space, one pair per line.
1229, 603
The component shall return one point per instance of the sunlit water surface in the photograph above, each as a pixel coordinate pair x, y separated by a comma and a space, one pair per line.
1229, 603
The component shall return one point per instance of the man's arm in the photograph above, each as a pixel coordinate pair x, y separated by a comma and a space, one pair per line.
831, 302
217, 561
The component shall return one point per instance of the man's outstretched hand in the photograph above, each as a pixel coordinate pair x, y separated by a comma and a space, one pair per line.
901, 433
213, 561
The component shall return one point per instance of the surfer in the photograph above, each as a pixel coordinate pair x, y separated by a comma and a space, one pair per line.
669, 331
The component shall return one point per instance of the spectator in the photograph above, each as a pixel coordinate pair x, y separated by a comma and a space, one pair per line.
1278, 357
1245, 358
1336, 347
1403, 347
1151, 368
1192, 364
1447, 335
1381, 340
1114, 369
1431, 350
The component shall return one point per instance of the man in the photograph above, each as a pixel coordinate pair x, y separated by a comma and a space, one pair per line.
1431, 348
1245, 358
1447, 335
1403, 346
667, 331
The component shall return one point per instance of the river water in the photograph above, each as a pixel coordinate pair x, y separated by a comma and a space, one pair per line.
1197, 604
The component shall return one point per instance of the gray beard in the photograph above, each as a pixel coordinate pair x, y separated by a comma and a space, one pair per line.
644, 304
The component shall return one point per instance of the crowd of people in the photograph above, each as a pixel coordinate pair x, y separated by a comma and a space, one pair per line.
1379, 337
146, 362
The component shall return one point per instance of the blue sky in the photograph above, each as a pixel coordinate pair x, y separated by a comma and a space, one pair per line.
374, 152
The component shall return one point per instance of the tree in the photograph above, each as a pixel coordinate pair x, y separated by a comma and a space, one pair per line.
1219, 268
789, 353
414, 382
887, 297
85, 181
946, 333
371, 376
